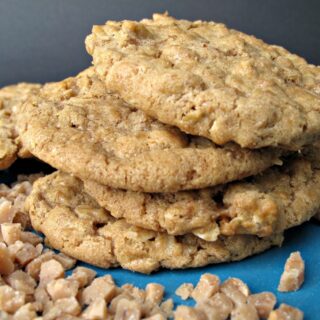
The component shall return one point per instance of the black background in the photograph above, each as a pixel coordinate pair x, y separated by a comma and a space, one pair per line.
42, 40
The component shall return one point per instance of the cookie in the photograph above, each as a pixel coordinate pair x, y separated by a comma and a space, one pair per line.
74, 223
11, 99
280, 198
76, 126
210, 81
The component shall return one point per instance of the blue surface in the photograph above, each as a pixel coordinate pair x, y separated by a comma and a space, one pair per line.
261, 272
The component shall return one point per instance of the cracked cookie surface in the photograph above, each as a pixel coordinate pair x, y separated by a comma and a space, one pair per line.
74, 223
278, 199
11, 99
210, 81
77, 127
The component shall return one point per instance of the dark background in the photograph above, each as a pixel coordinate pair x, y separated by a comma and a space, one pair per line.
42, 40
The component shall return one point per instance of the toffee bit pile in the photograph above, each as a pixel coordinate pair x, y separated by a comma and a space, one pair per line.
230, 300
34, 284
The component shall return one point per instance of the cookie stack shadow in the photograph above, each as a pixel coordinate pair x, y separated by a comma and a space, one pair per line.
185, 144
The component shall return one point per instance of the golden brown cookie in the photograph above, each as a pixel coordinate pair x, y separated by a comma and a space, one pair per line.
279, 198
11, 99
210, 81
74, 223
77, 127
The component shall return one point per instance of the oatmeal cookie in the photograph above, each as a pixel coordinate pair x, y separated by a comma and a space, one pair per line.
77, 127
74, 223
11, 99
209, 80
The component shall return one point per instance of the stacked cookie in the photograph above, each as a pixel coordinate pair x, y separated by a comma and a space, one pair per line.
185, 144
11, 99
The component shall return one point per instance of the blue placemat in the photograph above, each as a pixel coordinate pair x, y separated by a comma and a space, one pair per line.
261, 272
